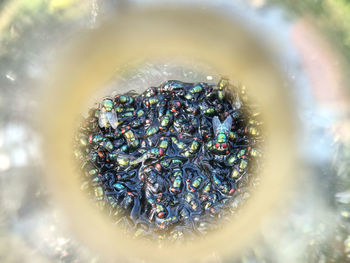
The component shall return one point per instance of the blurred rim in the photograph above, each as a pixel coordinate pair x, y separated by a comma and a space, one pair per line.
163, 34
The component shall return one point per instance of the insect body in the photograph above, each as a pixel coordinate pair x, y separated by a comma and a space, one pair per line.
162, 162
221, 131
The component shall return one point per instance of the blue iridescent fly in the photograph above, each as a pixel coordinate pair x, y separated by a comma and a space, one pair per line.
221, 132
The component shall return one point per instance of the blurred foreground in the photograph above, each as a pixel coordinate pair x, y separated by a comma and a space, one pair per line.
314, 224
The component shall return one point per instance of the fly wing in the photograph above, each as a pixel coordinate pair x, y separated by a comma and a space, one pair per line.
216, 124
112, 119
136, 209
228, 123
102, 120
236, 102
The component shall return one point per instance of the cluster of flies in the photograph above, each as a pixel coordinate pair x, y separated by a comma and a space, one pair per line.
168, 163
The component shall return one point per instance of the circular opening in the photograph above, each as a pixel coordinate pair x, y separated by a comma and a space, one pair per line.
165, 34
